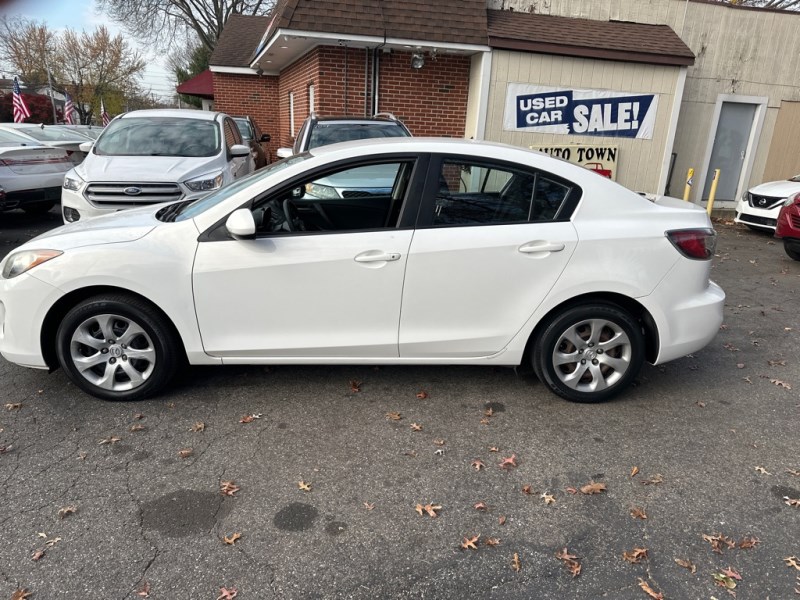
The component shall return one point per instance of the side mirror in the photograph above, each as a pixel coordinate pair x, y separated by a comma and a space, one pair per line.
86, 147
298, 192
284, 152
241, 224
240, 150
265, 137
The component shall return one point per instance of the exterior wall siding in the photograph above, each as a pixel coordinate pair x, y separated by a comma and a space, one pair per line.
751, 52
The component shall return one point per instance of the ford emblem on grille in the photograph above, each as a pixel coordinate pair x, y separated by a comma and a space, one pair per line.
132, 191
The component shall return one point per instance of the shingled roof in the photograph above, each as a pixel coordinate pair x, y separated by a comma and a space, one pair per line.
631, 42
239, 39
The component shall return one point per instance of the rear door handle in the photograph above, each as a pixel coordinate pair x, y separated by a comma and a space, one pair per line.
540, 246
373, 256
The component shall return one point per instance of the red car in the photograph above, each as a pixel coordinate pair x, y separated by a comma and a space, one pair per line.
789, 226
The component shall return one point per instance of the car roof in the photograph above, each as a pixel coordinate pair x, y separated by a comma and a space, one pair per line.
174, 113
356, 120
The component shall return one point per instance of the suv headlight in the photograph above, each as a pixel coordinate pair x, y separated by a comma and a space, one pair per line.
72, 181
19, 263
205, 183
321, 191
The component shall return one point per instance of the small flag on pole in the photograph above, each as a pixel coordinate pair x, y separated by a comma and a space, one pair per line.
69, 110
21, 111
103, 113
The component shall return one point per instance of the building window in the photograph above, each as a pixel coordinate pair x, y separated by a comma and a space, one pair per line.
311, 98
291, 113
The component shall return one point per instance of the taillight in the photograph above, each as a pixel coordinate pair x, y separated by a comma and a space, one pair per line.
694, 243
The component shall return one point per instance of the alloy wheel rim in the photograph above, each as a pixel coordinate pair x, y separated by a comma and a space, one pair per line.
592, 355
112, 352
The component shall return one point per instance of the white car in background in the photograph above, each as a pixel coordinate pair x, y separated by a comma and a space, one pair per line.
57, 136
758, 208
151, 156
31, 174
497, 256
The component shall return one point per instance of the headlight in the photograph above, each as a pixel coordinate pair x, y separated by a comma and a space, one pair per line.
19, 263
72, 182
321, 191
792, 199
205, 183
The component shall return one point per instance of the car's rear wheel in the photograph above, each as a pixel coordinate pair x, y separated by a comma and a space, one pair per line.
590, 352
791, 249
117, 347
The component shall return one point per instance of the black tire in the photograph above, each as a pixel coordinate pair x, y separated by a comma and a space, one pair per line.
791, 249
109, 372
610, 367
38, 209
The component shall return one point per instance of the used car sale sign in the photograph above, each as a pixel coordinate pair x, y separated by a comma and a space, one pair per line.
540, 109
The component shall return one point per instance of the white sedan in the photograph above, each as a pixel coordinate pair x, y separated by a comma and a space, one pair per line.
478, 254
759, 207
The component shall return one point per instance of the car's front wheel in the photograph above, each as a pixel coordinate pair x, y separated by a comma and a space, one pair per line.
117, 347
791, 249
589, 353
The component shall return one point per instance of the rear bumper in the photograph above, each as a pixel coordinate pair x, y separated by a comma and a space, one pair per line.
32, 197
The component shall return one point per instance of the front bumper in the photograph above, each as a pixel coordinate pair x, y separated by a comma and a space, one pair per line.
75, 201
24, 303
761, 218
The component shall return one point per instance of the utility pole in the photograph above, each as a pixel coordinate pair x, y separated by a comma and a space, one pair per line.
52, 98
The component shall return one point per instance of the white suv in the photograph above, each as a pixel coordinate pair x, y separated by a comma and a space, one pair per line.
150, 156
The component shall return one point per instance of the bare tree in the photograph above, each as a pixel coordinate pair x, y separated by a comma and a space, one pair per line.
164, 23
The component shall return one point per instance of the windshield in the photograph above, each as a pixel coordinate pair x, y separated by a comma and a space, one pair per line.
9, 138
333, 133
53, 134
244, 128
93, 132
159, 136
191, 211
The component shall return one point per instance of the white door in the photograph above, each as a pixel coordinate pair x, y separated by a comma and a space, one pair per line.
730, 148
494, 246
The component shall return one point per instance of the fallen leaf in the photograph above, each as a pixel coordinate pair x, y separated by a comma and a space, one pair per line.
763, 471
780, 383
492, 542
793, 472
748, 380
249, 418
593, 488
82, 455
515, 564
792, 561
144, 590
138, 416
66, 511
488, 412
526, 489
634, 471
749, 542
53, 542
227, 594
686, 564
740, 365
719, 542
650, 591
478, 464
306, 487
700, 404
137, 427
185, 452
776, 363
654, 480
638, 513
439, 452
355, 386
6, 449
368, 505
470, 543
635, 556
416, 427
724, 581
198, 427
13, 406
429, 509
231, 539
438, 442
480, 506
393, 416
508, 462
38, 554
21, 594
501, 520
571, 490
570, 562
548, 498
413, 453
791, 501
109, 440
732, 574
494, 449
484, 421
229, 488
422, 395
730, 347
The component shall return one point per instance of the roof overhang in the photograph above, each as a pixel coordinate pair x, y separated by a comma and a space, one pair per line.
285, 46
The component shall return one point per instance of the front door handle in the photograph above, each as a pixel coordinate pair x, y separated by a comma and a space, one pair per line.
373, 256
540, 246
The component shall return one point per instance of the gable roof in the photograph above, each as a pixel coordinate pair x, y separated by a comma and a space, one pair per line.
238, 40
567, 36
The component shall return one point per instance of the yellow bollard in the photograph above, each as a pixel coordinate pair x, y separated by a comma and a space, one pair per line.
688, 189
713, 192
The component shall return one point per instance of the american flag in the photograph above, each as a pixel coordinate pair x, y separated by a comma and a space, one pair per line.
103, 113
69, 110
21, 111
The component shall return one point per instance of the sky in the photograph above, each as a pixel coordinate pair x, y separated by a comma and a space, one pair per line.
82, 14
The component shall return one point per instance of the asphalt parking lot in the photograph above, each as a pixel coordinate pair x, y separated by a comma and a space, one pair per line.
700, 462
